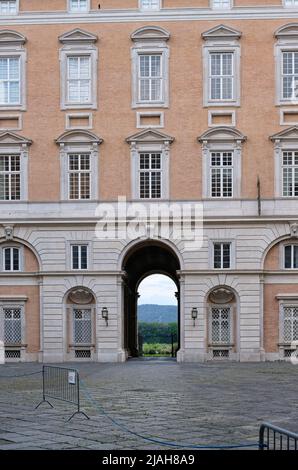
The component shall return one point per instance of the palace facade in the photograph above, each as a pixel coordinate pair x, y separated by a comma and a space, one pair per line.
156, 101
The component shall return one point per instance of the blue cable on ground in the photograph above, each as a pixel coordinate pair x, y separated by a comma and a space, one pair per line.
157, 441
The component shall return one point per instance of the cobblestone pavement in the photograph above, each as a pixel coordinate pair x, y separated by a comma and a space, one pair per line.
201, 404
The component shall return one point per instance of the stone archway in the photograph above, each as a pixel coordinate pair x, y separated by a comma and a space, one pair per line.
150, 257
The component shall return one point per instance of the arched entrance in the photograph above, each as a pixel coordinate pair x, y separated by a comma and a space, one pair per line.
150, 257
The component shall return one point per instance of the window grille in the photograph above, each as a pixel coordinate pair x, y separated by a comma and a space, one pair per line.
221, 174
220, 353
221, 325
79, 169
150, 175
222, 255
288, 352
150, 77
12, 326
290, 173
12, 354
10, 177
82, 353
82, 326
79, 79
290, 324
221, 76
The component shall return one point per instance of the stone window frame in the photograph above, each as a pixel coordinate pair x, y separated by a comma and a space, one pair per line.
141, 114
221, 8
13, 144
14, 302
69, 245
284, 2
285, 300
69, 116
221, 112
12, 45
222, 39
78, 12
286, 140
232, 244
150, 40
12, 244
231, 344
17, 2
79, 141
78, 43
286, 41
282, 246
148, 9
221, 139
69, 312
150, 140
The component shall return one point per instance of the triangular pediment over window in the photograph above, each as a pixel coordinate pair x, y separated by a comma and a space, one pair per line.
221, 32
150, 33
10, 138
77, 36
150, 136
288, 134
288, 31
222, 134
79, 137
9, 37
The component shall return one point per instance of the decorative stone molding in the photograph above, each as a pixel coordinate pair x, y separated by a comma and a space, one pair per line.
222, 32
10, 38
150, 140
78, 36
289, 30
8, 230
79, 141
150, 40
284, 140
294, 230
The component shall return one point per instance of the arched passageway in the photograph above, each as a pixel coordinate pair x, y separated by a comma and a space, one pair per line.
142, 260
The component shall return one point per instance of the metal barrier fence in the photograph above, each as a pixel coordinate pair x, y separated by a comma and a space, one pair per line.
275, 438
61, 384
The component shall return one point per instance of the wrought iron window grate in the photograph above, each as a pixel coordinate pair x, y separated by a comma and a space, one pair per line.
221, 353
13, 354
82, 354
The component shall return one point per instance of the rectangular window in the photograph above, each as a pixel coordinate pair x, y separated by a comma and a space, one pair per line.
290, 174
289, 75
10, 81
291, 3
150, 77
150, 176
8, 7
222, 255
150, 4
79, 176
82, 326
221, 76
221, 174
290, 326
12, 326
79, 256
11, 259
10, 178
79, 79
221, 325
291, 257
221, 3
78, 5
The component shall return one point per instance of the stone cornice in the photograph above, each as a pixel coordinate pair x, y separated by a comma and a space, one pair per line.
131, 15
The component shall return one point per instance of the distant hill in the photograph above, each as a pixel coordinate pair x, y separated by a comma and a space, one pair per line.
152, 313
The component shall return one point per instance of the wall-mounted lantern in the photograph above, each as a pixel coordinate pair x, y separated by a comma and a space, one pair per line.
194, 315
105, 315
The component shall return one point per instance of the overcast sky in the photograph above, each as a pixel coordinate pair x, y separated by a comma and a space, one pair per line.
157, 289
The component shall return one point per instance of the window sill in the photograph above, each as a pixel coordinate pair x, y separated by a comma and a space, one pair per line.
79, 106
156, 104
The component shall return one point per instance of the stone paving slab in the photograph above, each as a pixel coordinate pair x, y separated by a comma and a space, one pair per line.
212, 403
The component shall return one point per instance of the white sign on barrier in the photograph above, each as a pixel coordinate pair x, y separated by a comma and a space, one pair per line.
72, 378
2, 353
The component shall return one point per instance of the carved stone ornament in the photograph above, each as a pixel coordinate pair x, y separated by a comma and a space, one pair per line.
294, 230
81, 296
221, 296
8, 230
